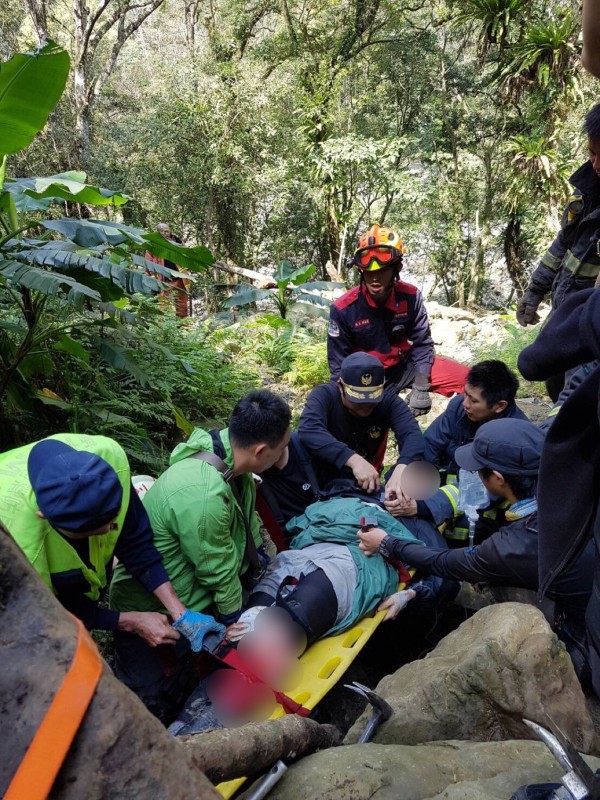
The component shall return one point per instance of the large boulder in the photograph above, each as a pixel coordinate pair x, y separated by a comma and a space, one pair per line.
449, 770
499, 666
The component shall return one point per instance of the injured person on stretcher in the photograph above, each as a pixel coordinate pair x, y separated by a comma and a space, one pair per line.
326, 584
323, 585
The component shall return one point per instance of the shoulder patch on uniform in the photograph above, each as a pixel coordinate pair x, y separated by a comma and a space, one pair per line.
334, 329
347, 299
407, 288
574, 207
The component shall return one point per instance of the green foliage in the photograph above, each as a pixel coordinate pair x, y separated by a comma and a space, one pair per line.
71, 297
30, 86
496, 17
545, 54
273, 343
514, 340
309, 366
292, 291
179, 380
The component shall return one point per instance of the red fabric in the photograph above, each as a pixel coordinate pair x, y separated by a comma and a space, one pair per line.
180, 298
270, 523
377, 460
448, 377
404, 575
227, 655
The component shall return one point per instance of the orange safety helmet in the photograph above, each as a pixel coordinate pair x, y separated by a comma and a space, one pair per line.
378, 248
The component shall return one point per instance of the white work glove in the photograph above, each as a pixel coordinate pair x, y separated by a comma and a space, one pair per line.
395, 603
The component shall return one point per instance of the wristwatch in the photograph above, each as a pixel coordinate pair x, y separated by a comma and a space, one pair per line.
385, 546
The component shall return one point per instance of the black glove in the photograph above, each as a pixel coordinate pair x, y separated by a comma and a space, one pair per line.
527, 310
419, 401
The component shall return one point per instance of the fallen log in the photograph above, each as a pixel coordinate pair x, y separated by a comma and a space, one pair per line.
263, 281
234, 752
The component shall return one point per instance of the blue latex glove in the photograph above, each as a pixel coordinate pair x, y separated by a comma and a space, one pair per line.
194, 626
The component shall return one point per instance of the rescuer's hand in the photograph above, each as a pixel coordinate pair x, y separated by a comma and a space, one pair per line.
194, 626
152, 626
365, 474
370, 540
527, 311
395, 603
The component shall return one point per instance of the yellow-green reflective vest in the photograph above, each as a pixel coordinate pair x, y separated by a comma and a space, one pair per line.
48, 551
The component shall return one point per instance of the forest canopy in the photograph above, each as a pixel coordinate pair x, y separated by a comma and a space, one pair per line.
268, 136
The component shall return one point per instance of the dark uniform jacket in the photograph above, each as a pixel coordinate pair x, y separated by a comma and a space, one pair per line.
508, 557
573, 259
452, 429
395, 333
569, 480
331, 434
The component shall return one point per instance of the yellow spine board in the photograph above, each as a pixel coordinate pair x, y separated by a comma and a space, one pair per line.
323, 665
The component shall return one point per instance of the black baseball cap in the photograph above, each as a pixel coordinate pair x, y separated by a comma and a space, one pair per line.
512, 446
362, 377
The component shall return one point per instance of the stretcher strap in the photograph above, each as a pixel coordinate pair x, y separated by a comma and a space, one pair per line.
44, 757
228, 655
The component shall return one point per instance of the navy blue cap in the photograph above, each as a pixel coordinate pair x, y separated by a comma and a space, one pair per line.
74, 489
511, 446
362, 377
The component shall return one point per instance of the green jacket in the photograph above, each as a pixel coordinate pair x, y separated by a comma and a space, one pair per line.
337, 521
199, 530
50, 553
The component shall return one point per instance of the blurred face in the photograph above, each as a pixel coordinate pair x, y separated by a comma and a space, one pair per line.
476, 407
594, 154
268, 456
357, 409
379, 283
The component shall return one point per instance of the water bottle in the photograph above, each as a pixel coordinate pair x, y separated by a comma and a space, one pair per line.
472, 495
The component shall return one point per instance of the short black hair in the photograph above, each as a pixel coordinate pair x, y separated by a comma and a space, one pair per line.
496, 381
591, 125
522, 486
259, 417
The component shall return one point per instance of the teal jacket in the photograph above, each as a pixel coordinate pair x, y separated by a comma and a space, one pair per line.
199, 529
337, 521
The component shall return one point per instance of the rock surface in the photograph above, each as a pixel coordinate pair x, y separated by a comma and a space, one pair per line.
120, 750
502, 664
450, 770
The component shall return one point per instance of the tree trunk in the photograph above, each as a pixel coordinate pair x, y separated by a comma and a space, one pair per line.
120, 750
82, 110
37, 10
513, 253
228, 753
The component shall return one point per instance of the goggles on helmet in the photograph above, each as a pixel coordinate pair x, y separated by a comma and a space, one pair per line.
374, 258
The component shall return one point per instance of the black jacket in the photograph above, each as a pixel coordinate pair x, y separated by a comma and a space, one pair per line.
331, 434
508, 557
572, 261
452, 429
569, 478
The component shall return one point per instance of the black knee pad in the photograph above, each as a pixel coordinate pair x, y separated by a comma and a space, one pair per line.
311, 603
